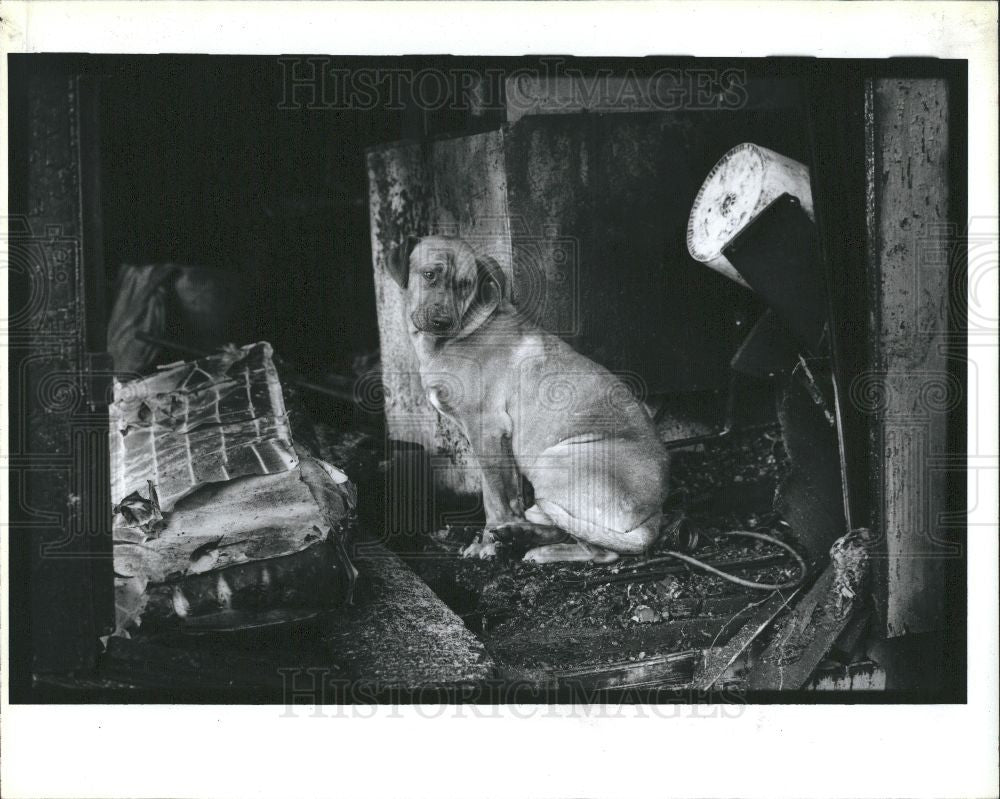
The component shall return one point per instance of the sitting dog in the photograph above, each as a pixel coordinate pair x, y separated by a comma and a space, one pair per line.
531, 405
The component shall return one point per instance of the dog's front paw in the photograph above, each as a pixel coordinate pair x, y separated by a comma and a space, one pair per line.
483, 550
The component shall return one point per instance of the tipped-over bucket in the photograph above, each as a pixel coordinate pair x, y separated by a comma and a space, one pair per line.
744, 181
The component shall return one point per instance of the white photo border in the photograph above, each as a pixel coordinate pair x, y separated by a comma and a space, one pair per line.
764, 750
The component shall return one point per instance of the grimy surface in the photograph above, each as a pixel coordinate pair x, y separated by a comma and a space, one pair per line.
581, 626
399, 634
913, 348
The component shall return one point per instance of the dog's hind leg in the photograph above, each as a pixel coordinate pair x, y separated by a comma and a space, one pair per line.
570, 551
594, 543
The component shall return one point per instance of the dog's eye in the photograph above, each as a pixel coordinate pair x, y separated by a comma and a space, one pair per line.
429, 276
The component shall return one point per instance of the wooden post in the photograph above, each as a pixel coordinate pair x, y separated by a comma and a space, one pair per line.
449, 186
60, 509
910, 390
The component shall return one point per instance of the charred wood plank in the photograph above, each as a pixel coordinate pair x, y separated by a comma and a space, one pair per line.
663, 671
163, 667
534, 653
803, 638
719, 660
399, 635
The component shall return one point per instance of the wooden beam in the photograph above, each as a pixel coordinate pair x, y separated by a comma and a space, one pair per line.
803, 638
399, 635
719, 660
661, 671
449, 186
911, 390
60, 508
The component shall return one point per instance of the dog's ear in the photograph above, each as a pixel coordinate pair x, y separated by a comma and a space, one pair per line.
492, 281
490, 293
397, 259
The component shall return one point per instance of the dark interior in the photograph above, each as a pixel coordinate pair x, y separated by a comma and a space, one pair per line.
278, 199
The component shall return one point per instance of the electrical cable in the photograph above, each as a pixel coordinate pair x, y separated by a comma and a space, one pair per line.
692, 561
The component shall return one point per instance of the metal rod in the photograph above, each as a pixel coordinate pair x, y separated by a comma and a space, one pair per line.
722, 435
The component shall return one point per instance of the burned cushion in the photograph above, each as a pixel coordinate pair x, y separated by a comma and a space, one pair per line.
217, 510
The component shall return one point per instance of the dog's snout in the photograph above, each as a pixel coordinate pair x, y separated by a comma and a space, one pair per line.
432, 320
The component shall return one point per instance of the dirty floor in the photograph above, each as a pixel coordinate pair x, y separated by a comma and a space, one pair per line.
543, 621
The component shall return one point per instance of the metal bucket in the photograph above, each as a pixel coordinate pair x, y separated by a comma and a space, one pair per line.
743, 182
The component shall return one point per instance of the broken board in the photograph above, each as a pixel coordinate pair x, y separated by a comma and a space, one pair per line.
399, 635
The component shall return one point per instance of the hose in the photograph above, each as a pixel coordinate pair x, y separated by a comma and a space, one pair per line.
692, 561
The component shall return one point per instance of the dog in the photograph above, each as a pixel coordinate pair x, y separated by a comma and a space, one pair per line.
530, 405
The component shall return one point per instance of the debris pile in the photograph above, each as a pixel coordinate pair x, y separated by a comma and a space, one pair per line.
221, 520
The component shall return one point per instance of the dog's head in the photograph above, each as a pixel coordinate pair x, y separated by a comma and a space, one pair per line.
450, 290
